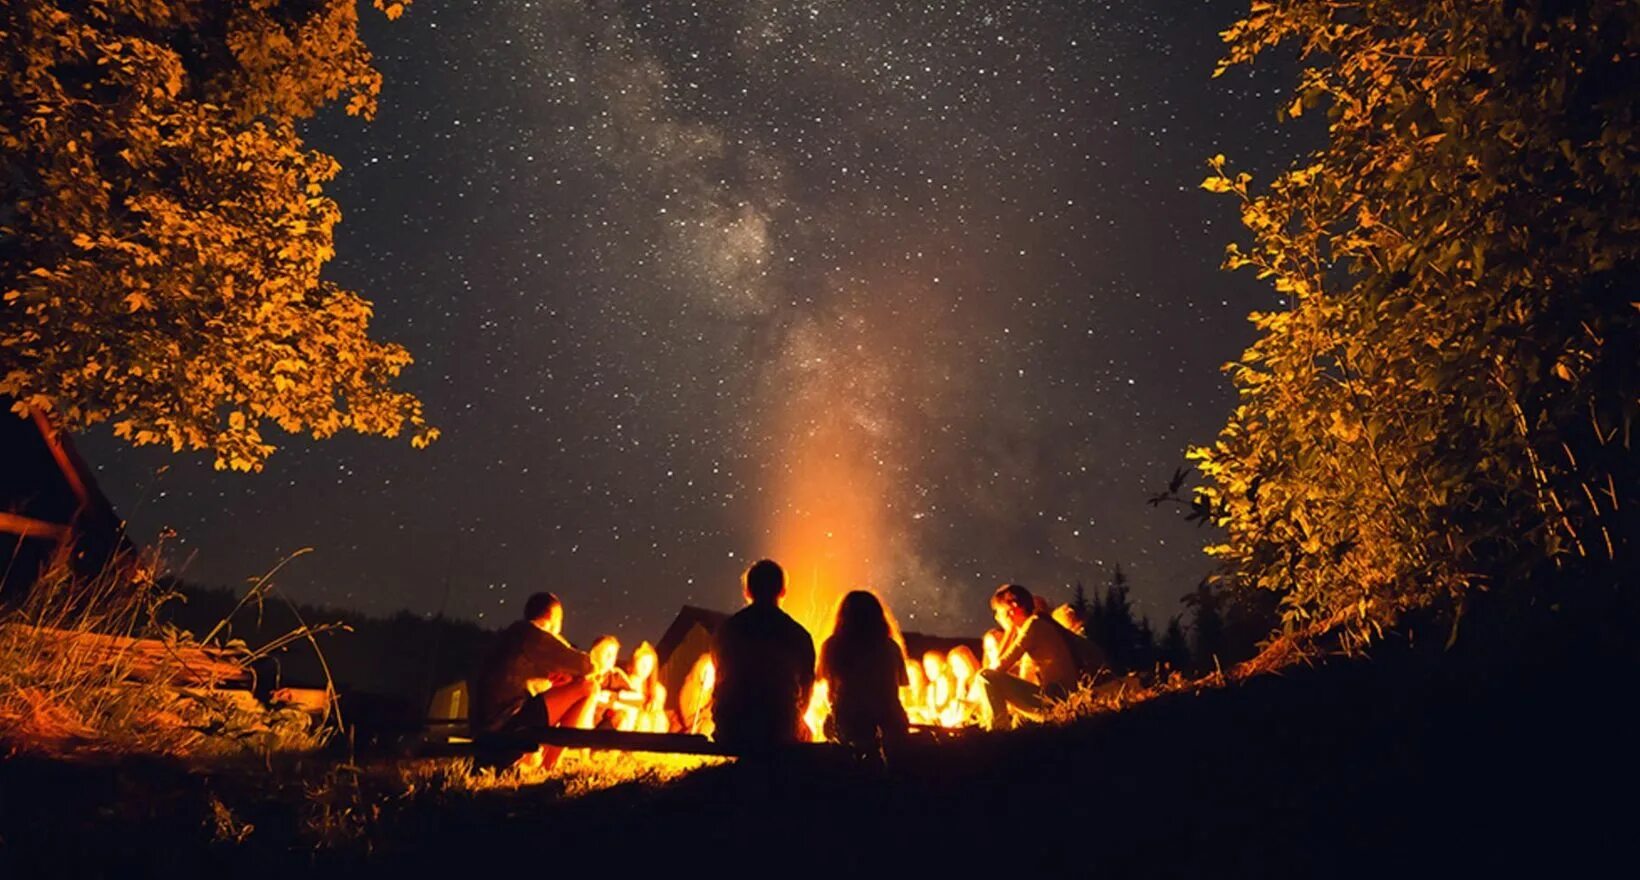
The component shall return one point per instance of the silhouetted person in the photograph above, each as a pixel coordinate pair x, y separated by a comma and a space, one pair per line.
765, 667
1060, 657
864, 669
533, 678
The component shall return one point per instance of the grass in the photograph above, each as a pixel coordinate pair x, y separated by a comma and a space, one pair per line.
72, 687
1414, 760
268, 779
1411, 762
265, 770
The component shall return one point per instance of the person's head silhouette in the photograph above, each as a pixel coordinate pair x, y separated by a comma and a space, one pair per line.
764, 582
861, 616
545, 611
1011, 604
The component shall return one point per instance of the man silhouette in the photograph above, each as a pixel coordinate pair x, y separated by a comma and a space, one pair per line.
1061, 658
533, 678
765, 667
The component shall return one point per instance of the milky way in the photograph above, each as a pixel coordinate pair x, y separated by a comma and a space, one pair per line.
685, 282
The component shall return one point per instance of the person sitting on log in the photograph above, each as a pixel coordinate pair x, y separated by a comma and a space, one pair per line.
864, 669
1060, 657
533, 678
765, 667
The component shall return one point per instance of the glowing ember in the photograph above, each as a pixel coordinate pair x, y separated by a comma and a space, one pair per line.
940, 692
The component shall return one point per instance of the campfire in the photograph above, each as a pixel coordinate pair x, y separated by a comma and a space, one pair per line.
834, 531
942, 692
632, 697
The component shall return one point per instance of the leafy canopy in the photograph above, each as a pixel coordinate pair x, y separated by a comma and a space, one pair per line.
1447, 402
163, 228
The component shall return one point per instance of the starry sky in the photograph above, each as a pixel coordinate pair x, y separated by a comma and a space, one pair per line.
917, 296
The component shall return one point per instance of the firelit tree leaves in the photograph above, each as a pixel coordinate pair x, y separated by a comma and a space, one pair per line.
1447, 402
164, 228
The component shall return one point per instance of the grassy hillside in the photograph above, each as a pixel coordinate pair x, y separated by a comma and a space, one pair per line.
1489, 755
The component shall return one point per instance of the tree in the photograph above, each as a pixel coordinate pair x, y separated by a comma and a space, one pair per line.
164, 226
1446, 403
1079, 602
1112, 626
1174, 649
1144, 643
1210, 649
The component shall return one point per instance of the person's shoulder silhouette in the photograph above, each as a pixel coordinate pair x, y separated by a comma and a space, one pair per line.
765, 665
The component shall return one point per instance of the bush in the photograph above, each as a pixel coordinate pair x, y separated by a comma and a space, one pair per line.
85, 669
1445, 404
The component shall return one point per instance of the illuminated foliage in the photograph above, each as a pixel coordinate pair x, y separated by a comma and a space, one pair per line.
163, 227
1446, 404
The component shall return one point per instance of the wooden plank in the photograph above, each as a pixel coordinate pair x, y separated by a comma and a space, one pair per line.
71, 474
314, 701
29, 527
143, 659
616, 740
612, 740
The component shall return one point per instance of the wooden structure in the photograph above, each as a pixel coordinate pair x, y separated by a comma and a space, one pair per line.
51, 509
684, 642
133, 658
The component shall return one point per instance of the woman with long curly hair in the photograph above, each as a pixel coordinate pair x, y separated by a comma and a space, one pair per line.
864, 667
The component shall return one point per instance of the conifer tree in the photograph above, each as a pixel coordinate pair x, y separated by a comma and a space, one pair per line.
1209, 650
1174, 649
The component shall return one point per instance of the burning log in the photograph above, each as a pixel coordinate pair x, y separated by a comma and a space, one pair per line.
695, 697
912, 693
641, 705
938, 672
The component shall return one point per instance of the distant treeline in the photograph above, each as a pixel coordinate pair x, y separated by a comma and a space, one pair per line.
1225, 627
402, 657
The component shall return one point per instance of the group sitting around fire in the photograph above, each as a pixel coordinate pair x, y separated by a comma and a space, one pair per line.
763, 675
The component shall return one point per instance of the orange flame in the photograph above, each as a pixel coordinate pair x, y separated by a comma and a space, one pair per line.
827, 534
825, 537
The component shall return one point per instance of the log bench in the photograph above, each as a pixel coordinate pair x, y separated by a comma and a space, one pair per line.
571, 738
449, 739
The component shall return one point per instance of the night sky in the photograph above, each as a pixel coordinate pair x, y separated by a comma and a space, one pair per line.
918, 296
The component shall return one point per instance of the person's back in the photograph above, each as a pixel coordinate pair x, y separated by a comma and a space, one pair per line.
1087, 657
524, 652
863, 680
500, 683
1048, 645
765, 667
1059, 656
